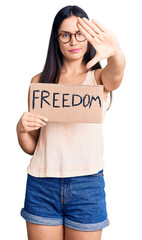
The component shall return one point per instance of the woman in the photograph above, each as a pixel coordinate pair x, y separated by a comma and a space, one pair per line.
65, 196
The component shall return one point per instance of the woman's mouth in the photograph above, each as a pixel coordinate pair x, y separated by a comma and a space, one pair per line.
75, 50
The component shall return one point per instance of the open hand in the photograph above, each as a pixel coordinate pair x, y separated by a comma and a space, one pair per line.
102, 39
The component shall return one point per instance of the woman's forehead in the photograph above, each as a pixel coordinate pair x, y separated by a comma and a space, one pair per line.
69, 25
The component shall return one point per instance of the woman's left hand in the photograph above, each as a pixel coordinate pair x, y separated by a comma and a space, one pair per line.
102, 39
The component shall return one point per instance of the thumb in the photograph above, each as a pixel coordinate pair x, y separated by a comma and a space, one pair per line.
92, 62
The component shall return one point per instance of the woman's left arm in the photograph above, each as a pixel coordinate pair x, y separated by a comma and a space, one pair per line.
107, 47
112, 74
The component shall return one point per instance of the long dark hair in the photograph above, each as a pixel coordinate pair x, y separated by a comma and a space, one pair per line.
54, 59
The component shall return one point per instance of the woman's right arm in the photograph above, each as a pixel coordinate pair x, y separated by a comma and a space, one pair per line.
28, 127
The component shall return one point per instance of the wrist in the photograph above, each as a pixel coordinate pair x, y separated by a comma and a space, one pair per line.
19, 129
117, 60
117, 53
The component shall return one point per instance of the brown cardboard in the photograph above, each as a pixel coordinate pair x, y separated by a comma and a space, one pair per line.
67, 103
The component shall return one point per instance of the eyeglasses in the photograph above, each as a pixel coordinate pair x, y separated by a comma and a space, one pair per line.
66, 37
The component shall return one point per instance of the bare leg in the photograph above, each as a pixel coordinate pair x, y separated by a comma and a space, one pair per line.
42, 232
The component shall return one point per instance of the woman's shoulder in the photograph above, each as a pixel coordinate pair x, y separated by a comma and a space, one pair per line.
36, 78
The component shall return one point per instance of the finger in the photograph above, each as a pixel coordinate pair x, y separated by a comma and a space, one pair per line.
35, 124
35, 120
92, 62
31, 114
29, 129
85, 29
92, 25
85, 33
99, 25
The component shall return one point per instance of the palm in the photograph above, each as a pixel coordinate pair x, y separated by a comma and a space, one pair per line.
102, 39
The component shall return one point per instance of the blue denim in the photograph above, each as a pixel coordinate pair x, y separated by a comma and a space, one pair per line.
77, 202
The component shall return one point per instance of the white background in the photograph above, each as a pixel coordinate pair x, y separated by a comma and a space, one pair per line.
25, 31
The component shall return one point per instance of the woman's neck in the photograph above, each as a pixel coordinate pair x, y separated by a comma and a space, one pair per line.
73, 67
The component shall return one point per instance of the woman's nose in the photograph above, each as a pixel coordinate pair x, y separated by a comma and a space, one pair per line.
73, 40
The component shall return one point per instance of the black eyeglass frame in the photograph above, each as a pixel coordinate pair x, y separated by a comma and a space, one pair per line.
70, 34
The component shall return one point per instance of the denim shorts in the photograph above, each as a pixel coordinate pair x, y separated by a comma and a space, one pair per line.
77, 202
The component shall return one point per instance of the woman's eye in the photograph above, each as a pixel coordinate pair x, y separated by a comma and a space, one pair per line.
65, 35
79, 34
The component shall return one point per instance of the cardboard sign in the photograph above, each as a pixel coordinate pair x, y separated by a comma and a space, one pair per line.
67, 103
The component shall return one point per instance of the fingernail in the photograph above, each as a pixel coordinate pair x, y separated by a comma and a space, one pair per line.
46, 119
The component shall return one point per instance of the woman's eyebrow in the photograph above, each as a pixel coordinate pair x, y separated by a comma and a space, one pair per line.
69, 32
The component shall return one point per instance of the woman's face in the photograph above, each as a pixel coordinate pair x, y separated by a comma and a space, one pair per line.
69, 25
